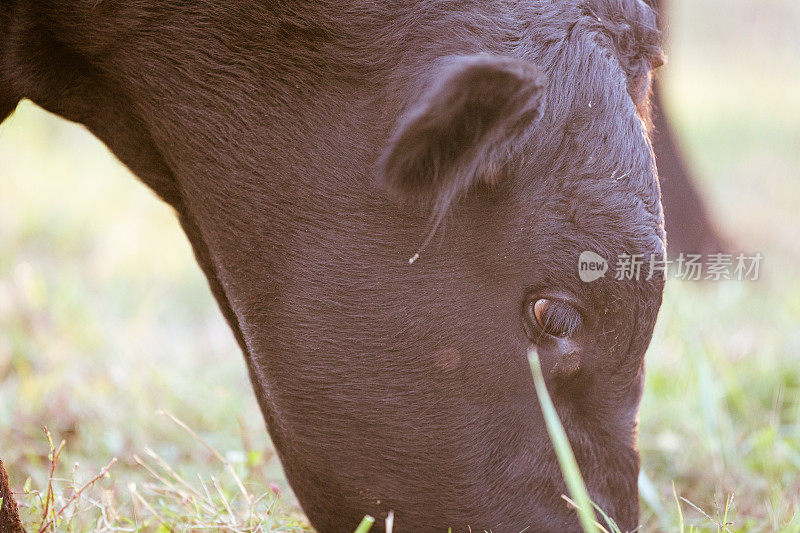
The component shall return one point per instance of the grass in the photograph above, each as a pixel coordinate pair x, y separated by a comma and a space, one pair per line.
569, 466
168, 502
103, 314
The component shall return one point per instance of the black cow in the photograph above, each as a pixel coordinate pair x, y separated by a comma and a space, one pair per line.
310, 149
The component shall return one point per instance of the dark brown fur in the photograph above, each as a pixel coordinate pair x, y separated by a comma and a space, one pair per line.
310, 148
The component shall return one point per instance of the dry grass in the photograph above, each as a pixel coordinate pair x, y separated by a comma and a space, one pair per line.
168, 501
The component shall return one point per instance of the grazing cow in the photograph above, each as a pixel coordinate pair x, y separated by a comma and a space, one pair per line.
310, 149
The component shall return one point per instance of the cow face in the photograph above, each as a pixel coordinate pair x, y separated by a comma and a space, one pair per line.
310, 154
530, 170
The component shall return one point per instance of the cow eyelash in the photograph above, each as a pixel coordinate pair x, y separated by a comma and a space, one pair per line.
554, 317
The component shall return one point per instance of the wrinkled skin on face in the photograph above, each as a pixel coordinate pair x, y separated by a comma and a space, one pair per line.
310, 150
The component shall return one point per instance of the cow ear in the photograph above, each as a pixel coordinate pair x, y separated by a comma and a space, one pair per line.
463, 128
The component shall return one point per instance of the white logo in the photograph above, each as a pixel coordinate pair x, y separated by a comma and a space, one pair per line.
591, 267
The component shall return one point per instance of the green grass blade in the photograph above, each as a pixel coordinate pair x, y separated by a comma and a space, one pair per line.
569, 466
649, 494
680, 511
365, 525
609, 521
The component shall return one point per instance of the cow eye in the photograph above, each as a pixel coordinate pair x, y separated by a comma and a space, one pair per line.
554, 317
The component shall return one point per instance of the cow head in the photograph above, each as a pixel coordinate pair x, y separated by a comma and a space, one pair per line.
532, 163
309, 153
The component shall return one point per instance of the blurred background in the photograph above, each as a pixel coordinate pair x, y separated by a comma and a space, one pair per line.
105, 319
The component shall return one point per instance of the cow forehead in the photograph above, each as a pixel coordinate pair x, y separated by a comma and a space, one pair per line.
595, 183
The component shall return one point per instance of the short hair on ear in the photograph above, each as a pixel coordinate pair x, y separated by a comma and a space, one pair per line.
463, 129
